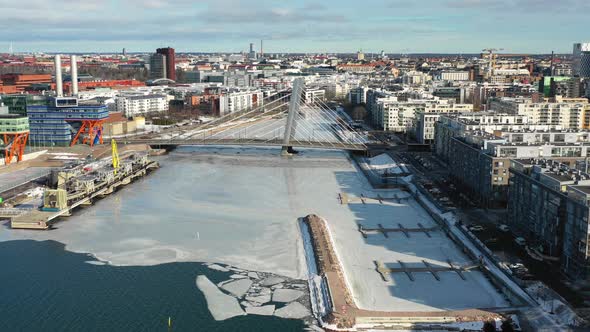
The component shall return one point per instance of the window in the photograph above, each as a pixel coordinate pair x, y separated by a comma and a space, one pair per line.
571, 152
559, 138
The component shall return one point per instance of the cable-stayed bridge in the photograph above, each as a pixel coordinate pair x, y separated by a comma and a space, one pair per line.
287, 119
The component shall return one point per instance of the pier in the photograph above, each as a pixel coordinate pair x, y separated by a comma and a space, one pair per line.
346, 314
79, 186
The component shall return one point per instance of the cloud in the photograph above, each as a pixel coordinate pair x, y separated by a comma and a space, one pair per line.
522, 6
306, 24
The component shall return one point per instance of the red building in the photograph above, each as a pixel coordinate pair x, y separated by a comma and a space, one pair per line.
22, 81
170, 62
113, 84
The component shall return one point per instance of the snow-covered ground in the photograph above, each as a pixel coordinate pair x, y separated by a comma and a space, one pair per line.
240, 206
384, 164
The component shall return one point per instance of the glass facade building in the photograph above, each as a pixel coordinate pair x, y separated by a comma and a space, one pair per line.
57, 120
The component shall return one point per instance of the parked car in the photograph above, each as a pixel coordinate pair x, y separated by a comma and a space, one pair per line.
504, 228
476, 228
520, 241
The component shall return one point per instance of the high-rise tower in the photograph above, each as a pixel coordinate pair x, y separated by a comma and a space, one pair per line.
581, 61
170, 55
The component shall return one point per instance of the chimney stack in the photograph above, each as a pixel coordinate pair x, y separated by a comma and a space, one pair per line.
59, 90
74, 75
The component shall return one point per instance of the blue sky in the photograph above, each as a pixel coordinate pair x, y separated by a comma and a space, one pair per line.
396, 26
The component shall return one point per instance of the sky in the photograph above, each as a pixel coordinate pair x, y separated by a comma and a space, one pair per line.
395, 26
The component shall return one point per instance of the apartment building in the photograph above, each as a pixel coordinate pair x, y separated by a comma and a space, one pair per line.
235, 100
569, 114
479, 153
133, 105
549, 207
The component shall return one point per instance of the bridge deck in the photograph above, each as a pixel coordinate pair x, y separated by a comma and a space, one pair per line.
248, 142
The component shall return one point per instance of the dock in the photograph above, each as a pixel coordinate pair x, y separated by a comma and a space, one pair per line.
401, 229
80, 186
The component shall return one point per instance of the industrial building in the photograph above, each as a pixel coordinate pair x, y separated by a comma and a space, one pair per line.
62, 121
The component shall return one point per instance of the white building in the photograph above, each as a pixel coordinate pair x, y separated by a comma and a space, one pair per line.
237, 100
424, 120
454, 76
567, 114
416, 78
141, 104
399, 116
312, 95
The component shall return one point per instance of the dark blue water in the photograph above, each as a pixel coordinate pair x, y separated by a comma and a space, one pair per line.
46, 288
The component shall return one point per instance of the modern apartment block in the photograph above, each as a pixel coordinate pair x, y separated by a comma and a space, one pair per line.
391, 114
549, 207
478, 149
567, 114
424, 120
133, 105
236, 100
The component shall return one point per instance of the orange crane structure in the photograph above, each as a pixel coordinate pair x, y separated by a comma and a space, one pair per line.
91, 130
14, 131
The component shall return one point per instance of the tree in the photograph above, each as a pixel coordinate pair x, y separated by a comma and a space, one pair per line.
359, 113
507, 326
489, 326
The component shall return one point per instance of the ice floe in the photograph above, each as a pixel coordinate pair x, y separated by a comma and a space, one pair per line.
221, 306
267, 310
238, 288
286, 295
293, 310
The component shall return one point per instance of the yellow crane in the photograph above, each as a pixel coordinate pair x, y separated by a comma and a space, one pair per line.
492, 59
115, 155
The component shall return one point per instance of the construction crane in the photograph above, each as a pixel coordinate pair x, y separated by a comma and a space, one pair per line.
492, 58
115, 155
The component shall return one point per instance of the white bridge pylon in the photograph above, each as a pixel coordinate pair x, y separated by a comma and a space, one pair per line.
287, 118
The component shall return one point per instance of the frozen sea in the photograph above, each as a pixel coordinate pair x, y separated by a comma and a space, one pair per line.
240, 206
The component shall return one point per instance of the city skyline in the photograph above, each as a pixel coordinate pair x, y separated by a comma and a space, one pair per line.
449, 26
